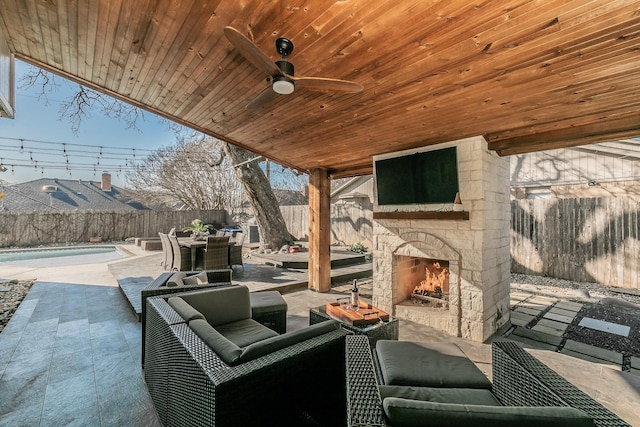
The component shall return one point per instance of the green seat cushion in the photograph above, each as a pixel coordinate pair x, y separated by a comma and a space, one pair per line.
221, 305
181, 307
245, 332
428, 365
412, 413
269, 345
225, 349
467, 396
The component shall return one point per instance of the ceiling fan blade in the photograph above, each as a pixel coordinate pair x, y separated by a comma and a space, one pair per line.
251, 52
263, 98
319, 84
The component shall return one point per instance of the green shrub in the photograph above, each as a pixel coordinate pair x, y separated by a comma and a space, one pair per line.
358, 248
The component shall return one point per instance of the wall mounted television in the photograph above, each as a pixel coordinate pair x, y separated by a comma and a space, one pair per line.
427, 177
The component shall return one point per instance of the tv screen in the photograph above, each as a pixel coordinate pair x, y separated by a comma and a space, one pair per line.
421, 178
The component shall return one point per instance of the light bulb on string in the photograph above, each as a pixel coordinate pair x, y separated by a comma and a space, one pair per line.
13, 172
35, 166
21, 146
64, 149
100, 154
31, 156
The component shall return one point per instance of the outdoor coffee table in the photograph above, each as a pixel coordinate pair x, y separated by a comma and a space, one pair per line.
376, 330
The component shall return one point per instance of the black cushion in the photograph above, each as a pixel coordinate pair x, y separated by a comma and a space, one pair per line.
270, 345
225, 349
221, 305
245, 332
428, 365
469, 396
187, 312
413, 413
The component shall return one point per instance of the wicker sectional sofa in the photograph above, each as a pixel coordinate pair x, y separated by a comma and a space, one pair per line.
227, 370
523, 392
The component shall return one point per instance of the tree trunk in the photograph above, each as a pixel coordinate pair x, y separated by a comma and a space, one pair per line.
271, 225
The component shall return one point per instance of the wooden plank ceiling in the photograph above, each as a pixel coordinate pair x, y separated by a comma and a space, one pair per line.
528, 75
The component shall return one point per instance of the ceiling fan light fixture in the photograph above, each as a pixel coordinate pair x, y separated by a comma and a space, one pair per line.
283, 85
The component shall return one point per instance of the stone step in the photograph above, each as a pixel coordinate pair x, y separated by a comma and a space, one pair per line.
593, 351
539, 336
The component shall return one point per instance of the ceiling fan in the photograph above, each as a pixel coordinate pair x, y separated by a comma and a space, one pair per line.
281, 72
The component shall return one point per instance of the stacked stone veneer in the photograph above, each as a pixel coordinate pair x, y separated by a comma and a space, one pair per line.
477, 250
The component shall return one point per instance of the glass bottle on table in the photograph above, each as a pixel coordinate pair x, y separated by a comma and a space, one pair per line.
355, 297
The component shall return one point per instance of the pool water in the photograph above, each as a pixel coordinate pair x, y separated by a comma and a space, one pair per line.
61, 256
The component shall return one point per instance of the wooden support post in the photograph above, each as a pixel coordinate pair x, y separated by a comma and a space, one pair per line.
319, 230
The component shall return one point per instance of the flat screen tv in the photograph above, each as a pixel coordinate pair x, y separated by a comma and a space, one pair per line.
422, 178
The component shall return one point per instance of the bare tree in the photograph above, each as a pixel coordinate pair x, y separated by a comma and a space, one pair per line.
271, 225
194, 172
78, 107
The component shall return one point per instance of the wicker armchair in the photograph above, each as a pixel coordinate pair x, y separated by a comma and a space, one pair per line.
216, 278
302, 384
181, 255
519, 379
214, 255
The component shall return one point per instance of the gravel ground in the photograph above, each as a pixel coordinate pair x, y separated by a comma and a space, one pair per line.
11, 295
615, 305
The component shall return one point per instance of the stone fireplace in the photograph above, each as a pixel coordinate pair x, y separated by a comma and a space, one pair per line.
458, 263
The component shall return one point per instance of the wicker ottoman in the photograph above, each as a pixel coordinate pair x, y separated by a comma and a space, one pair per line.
269, 309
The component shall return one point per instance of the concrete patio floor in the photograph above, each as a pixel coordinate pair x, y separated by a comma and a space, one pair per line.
71, 353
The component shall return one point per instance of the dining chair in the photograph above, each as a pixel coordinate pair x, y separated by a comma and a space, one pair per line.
181, 255
235, 251
214, 255
167, 251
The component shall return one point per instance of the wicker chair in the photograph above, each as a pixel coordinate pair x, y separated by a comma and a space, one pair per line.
214, 255
216, 278
181, 256
167, 251
302, 384
235, 251
519, 379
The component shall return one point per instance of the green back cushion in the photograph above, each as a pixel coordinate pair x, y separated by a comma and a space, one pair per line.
176, 279
409, 413
196, 279
181, 307
428, 365
275, 343
221, 305
225, 349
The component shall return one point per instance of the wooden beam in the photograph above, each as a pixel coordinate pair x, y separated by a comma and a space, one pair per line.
451, 215
319, 230
604, 130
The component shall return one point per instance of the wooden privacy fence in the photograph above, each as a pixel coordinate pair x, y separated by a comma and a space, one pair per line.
350, 223
590, 240
42, 227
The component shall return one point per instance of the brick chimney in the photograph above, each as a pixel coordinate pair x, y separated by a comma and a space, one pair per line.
105, 185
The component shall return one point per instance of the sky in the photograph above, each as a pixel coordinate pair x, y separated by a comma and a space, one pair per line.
50, 149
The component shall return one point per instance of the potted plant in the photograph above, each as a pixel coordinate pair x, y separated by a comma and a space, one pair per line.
199, 231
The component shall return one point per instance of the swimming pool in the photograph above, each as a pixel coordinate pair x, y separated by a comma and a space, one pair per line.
43, 257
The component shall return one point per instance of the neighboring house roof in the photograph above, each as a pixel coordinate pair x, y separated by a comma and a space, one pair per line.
61, 194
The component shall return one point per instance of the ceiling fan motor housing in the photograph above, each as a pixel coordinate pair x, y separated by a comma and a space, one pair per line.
283, 84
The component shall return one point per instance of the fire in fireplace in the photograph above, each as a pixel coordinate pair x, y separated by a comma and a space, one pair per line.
433, 290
